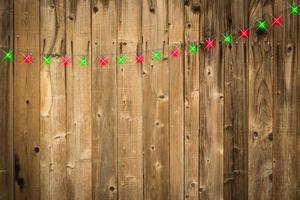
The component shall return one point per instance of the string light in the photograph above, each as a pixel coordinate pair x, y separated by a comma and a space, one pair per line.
47, 60
27, 58
156, 55
8, 55
83, 61
65, 60
193, 48
294, 9
103, 61
209, 44
244, 33
277, 21
139, 59
227, 38
175, 53
261, 25
121, 60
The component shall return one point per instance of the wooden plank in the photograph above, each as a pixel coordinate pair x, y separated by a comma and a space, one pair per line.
26, 100
176, 106
286, 82
156, 101
52, 102
236, 103
211, 104
260, 103
6, 102
104, 100
130, 159
79, 122
191, 101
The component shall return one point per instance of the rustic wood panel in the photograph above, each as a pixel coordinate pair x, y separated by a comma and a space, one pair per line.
176, 92
260, 102
156, 101
217, 124
78, 80
52, 102
212, 104
129, 80
191, 101
27, 100
236, 103
104, 100
286, 81
6, 102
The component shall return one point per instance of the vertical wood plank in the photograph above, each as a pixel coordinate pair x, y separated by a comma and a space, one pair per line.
156, 101
6, 102
236, 103
176, 84
130, 158
26, 100
79, 138
52, 102
191, 100
104, 100
285, 120
260, 103
211, 105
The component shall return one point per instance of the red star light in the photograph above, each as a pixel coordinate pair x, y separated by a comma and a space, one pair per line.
103, 61
175, 53
65, 60
277, 21
209, 44
139, 59
244, 33
27, 59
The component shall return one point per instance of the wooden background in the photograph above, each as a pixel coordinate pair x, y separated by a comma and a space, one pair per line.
220, 124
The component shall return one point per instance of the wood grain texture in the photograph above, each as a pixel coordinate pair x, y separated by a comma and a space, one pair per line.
286, 82
236, 104
129, 76
260, 103
212, 105
191, 101
104, 101
6, 102
156, 101
78, 80
176, 82
53, 130
27, 100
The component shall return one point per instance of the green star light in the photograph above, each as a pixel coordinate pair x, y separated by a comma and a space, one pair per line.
156, 55
193, 48
83, 61
262, 25
227, 38
294, 9
47, 60
8, 55
121, 60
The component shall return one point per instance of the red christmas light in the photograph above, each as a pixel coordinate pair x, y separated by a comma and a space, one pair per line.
65, 60
175, 53
209, 44
277, 21
139, 59
27, 59
103, 61
244, 33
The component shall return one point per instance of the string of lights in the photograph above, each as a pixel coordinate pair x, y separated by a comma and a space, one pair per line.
175, 49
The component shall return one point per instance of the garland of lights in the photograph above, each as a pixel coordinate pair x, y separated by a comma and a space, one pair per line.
208, 44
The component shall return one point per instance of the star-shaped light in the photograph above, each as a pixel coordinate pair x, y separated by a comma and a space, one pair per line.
139, 59
209, 44
175, 53
244, 33
65, 60
277, 21
103, 61
27, 58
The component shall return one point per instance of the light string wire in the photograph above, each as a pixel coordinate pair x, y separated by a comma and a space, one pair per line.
173, 46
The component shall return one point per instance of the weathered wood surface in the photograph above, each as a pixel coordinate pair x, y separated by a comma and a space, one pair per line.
217, 124
6, 103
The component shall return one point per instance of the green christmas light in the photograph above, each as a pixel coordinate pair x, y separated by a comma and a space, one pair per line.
83, 61
261, 25
47, 60
227, 38
8, 55
156, 55
121, 60
294, 9
193, 48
